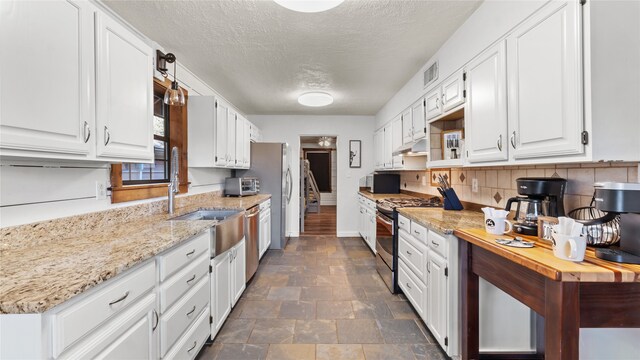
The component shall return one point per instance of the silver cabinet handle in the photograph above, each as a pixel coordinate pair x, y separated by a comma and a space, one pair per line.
155, 314
443, 95
87, 132
435, 243
193, 347
409, 286
437, 101
107, 135
192, 310
409, 253
192, 278
191, 252
119, 299
513, 139
500, 142
428, 267
416, 232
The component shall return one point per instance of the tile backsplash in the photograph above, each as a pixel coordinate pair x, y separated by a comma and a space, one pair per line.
497, 184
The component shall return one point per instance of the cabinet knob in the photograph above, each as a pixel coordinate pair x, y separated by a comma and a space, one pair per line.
513, 139
409, 253
119, 299
409, 286
191, 279
192, 311
107, 135
500, 142
193, 347
87, 132
434, 243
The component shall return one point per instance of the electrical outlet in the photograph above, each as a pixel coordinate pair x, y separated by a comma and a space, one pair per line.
424, 180
474, 185
101, 190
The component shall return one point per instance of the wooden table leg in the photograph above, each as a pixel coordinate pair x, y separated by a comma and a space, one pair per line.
562, 320
470, 321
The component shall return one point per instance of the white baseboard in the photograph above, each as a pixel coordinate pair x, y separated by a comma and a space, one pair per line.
348, 234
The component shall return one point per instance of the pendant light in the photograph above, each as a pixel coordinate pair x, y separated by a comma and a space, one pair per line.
174, 96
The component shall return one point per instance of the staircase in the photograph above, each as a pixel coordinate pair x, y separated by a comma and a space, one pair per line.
311, 193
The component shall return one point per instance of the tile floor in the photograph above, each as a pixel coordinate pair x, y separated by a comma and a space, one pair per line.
321, 298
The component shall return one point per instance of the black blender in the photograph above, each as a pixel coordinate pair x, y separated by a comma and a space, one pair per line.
542, 197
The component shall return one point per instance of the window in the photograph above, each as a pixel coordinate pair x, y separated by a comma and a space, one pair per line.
158, 172
130, 181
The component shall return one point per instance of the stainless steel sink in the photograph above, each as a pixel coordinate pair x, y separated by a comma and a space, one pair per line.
219, 215
227, 233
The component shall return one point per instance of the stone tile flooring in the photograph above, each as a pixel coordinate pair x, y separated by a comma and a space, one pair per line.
321, 298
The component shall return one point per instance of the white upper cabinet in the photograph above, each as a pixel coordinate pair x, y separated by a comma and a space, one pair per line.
486, 108
433, 107
419, 120
239, 141
544, 81
453, 91
388, 147
397, 140
378, 143
231, 138
247, 143
46, 77
124, 93
220, 134
407, 127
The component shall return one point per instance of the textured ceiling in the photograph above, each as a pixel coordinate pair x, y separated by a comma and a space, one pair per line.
261, 56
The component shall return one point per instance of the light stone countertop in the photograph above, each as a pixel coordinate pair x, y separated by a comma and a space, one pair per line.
444, 221
47, 270
376, 197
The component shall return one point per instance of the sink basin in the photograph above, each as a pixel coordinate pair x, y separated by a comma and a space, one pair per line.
219, 215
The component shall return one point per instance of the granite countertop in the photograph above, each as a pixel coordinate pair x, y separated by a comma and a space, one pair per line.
444, 221
47, 271
376, 197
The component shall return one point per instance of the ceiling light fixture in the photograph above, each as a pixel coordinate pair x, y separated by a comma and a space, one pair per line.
315, 99
174, 95
325, 141
309, 6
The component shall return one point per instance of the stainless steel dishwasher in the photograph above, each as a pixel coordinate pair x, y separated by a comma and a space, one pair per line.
251, 234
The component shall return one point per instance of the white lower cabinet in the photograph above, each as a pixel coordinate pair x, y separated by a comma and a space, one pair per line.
367, 222
438, 298
264, 228
228, 282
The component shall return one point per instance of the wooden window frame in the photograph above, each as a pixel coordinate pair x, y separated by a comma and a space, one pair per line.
178, 129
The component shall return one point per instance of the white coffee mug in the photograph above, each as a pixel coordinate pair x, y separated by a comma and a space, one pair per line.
569, 247
497, 226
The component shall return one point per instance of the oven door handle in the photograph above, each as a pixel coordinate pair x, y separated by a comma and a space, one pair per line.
378, 217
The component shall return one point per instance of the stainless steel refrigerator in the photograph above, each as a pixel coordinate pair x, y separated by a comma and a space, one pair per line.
270, 164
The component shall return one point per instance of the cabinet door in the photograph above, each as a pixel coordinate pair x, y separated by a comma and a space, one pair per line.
239, 271
231, 139
437, 305
418, 116
361, 222
47, 108
220, 291
135, 343
239, 141
486, 108
371, 233
268, 242
388, 150
378, 140
222, 114
545, 82
247, 144
453, 91
397, 141
432, 107
407, 127
124, 92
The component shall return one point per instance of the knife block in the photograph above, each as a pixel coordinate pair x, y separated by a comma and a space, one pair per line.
451, 201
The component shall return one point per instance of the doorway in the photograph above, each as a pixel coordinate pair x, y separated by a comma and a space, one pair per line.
318, 185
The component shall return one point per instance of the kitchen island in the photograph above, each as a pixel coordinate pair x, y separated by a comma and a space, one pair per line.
566, 295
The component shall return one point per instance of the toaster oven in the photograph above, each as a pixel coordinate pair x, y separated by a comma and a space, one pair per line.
241, 186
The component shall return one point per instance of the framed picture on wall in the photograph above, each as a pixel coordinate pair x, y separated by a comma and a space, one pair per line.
355, 155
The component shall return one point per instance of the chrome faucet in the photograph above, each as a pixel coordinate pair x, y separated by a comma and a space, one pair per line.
174, 185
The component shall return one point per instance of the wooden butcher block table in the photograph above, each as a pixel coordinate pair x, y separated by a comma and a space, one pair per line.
566, 295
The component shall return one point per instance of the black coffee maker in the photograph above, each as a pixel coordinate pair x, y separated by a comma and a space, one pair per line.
542, 197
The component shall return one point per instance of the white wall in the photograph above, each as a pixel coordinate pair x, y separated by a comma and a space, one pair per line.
490, 21
289, 128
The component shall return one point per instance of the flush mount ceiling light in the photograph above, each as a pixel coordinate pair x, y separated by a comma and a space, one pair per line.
309, 6
315, 99
325, 141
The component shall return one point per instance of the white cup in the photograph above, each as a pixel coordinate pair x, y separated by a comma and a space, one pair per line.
569, 247
497, 225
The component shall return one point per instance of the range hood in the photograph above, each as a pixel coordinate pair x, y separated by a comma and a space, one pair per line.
417, 148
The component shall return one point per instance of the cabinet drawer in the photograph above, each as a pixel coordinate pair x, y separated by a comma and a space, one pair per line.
412, 288
78, 319
180, 283
128, 335
438, 243
177, 320
176, 259
190, 344
413, 253
404, 223
265, 205
419, 232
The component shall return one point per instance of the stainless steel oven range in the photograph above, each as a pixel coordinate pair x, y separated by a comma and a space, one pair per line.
387, 235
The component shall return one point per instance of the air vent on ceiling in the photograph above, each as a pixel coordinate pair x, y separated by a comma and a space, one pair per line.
431, 74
